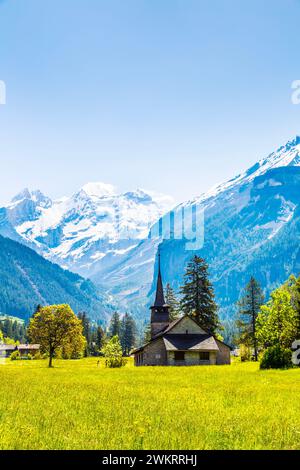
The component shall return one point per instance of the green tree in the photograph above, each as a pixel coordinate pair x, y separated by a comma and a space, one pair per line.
277, 322
198, 296
172, 301
115, 325
100, 338
13, 329
127, 334
112, 351
8, 330
293, 286
249, 307
147, 333
87, 333
1, 337
56, 327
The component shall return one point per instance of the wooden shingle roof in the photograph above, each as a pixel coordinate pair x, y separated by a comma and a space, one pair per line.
190, 342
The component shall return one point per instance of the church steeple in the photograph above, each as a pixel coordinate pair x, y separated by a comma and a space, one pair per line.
159, 298
160, 310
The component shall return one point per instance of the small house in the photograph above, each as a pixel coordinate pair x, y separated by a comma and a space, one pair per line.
24, 349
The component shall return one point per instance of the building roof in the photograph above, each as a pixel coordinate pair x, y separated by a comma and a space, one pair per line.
7, 347
190, 342
12, 347
164, 334
159, 297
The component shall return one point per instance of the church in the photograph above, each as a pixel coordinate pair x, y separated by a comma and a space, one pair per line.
182, 342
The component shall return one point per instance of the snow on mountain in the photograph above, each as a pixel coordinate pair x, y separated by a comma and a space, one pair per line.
252, 227
286, 155
98, 190
78, 232
251, 221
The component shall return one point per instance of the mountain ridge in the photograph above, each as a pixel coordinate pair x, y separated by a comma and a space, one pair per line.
27, 279
245, 218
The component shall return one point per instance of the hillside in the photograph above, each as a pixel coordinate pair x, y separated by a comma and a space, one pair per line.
91, 230
251, 227
27, 279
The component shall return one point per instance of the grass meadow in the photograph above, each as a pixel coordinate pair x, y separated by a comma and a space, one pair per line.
77, 405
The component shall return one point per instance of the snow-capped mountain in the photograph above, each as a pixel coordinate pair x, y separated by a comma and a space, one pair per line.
87, 232
251, 227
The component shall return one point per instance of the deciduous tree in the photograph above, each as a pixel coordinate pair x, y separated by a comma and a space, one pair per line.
277, 322
56, 327
112, 352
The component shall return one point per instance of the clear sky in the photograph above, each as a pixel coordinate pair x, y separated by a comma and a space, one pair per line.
169, 95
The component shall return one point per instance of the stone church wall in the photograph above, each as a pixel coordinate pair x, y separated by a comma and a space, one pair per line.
223, 355
155, 353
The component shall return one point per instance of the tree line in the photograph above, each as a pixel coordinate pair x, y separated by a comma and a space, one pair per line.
12, 330
259, 326
269, 329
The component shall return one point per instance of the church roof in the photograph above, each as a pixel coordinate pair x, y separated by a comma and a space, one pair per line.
190, 342
159, 297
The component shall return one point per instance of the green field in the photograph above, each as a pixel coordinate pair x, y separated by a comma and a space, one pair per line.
77, 405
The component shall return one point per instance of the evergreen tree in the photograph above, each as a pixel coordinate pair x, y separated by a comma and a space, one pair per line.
127, 334
198, 295
249, 307
115, 325
100, 338
173, 303
87, 333
8, 329
147, 333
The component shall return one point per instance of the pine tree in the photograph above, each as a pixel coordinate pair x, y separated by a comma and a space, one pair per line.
173, 303
249, 307
115, 325
100, 338
198, 295
87, 333
147, 333
128, 334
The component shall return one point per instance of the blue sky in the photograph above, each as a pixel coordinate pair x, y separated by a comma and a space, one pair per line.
169, 95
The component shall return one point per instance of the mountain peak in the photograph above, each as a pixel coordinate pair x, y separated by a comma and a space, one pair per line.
24, 194
286, 155
98, 189
34, 195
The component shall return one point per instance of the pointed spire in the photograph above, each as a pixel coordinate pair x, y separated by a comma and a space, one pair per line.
159, 298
